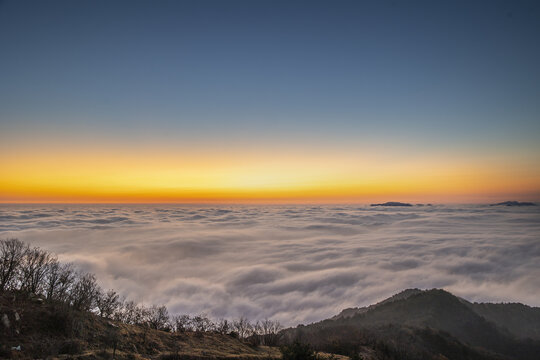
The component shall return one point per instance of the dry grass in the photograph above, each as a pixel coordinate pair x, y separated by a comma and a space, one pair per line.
56, 332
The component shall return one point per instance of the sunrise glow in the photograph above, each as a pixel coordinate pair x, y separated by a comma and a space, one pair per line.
256, 176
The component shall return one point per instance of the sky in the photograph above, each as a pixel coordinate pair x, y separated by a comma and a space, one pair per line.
269, 101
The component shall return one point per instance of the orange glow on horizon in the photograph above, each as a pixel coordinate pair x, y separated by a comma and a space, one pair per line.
258, 177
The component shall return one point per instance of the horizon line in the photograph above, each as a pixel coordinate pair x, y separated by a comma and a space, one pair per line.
413, 203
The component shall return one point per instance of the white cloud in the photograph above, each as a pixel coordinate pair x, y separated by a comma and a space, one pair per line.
296, 264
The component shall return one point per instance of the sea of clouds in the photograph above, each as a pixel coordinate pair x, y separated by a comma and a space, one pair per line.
296, 264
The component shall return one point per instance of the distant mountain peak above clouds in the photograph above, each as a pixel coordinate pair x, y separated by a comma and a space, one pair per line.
514, 203
392, 203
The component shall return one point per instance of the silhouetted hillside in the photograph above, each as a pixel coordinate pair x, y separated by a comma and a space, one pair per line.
347, 313
33, 328
521, 320
430, 324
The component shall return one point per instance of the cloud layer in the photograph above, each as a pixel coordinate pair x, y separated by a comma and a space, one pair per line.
297, 264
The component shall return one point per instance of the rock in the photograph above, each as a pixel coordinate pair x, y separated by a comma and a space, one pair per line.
5, 321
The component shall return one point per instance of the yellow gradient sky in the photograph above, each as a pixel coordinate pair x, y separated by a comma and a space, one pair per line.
159, 175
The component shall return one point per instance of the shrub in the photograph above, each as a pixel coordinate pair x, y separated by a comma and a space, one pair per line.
171, 356
60, 322
298, 351
5, 353
72, 347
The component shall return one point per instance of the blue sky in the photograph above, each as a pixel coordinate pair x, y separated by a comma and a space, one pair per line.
429, 75
374, 64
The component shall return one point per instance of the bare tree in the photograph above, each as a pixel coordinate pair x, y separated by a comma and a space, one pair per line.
131, 313
243, 327
12, 252
158, 317
34, 269
142, 314
223, 326
257, 328
66, 280
182, 323
84, 292
58, 280
53, 278
270, 332
108, 303
127, 313
201, 323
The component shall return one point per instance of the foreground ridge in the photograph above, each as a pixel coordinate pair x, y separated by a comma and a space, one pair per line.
430, 324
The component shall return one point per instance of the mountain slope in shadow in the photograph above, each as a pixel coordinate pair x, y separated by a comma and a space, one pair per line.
431, 324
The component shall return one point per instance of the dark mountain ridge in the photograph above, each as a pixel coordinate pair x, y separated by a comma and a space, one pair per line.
432, 323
